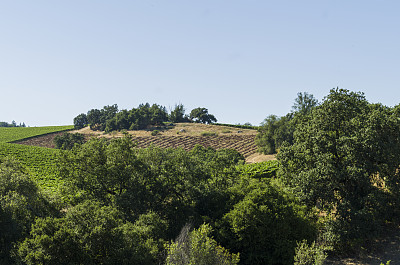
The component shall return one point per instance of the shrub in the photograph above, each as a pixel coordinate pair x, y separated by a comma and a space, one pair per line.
309, 254
155, 132
67, 141
206, 134
197, 247
265, 223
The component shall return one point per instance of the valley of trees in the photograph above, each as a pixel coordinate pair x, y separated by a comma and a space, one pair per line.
334, 187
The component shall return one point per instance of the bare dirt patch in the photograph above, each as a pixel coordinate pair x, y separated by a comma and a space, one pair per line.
42, 141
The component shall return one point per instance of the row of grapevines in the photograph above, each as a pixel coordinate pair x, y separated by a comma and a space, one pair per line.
11, 134
265, 169
39, 161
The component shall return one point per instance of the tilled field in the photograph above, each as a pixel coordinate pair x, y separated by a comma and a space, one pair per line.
242, 143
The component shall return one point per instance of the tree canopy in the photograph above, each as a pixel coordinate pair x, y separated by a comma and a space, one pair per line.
201, 115
109, 118
342, 150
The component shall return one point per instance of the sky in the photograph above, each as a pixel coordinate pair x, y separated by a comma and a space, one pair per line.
241, 59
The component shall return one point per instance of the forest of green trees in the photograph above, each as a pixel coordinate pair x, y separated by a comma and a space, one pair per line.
334, 187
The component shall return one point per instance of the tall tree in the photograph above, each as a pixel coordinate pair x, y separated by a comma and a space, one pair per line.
178, 114
304, 103
341, 151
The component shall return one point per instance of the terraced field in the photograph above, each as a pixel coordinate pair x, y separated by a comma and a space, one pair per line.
183, 135
187, 135
242, 143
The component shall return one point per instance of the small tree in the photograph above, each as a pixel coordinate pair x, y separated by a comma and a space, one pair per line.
67, 141
198, 248
178, 114
273, 132
304, 103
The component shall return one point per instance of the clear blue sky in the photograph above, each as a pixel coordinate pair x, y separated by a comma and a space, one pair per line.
243, 60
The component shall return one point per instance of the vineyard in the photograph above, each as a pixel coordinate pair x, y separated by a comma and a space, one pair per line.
8, 135
37, 160
34, 146
184, 136
244, 144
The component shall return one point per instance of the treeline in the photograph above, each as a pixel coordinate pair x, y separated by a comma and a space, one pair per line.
109, 118
12, 124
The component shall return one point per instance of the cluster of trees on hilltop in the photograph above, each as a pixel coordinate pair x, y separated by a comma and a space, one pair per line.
109, 118
12, 124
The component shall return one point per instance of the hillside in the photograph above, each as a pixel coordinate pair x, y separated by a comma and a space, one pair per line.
181, 135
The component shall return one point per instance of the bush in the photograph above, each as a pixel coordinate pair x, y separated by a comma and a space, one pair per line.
155, 132
198, 248
309, 254
89, 234
265, 223
67, 141
206, 134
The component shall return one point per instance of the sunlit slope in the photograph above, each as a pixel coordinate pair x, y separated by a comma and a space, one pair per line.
37, 160
10, 134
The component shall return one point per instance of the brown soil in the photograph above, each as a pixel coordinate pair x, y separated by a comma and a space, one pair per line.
42, 141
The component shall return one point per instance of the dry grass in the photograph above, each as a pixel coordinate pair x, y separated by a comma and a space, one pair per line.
257, 157
180, 129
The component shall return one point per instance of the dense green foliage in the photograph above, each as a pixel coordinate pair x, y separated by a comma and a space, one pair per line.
109, 118
40, 162
178, 114
201, 115
265, 222
124, 205
335, 184
17, 133
90, 233
196, 247
345, 160
239, 126
20, 203
267, 169
81, 121
67, 141
274, 130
